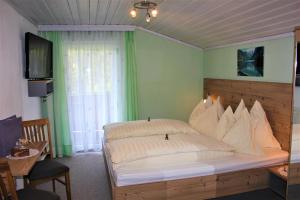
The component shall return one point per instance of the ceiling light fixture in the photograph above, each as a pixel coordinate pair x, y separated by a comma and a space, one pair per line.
148, 17
149, 6
133, 13
154, 13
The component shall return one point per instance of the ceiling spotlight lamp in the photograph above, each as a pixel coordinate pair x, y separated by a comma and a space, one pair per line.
133, 13
154, 13
148, 17
149, 6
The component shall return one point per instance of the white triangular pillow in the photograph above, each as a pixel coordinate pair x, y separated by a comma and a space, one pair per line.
263, 134
225, 124
240, 136
208, 102
206, 122
200, 107
220, 108
239, 109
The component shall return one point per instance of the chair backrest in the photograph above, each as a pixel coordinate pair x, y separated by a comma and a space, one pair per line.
37, 131
7, 183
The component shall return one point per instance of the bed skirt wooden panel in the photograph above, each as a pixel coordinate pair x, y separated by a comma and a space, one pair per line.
294, 173
196, 188
204, 187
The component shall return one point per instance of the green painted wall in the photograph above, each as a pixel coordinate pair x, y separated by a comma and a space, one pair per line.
278, 61
169, 77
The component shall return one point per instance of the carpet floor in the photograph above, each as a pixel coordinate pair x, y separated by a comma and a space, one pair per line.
88, 178
89, 181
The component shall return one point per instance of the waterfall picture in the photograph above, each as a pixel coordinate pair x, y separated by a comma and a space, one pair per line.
251, 62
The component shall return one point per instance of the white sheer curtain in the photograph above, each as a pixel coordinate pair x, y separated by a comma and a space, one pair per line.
95, 82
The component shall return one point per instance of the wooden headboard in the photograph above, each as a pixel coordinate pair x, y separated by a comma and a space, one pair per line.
276, 99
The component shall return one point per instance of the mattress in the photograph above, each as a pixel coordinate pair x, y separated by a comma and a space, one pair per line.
180, 166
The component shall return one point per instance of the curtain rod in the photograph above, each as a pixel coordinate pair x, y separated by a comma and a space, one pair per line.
86, 28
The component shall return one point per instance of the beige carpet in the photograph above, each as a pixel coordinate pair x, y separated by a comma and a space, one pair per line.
88, 178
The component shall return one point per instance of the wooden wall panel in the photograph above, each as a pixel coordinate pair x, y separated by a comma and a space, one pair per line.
276, 99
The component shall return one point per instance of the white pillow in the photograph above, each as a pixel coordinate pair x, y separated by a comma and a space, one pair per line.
200, 107
208, 102
240, 136
220, 108
239, 109
206, 121
263, 134
225, 124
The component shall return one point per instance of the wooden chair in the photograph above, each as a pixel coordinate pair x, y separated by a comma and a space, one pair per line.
47, 169
8, 188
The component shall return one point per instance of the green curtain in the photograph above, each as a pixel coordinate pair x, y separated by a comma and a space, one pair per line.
130, 78
63, 145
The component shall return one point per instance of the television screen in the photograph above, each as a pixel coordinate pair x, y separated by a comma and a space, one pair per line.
38, 57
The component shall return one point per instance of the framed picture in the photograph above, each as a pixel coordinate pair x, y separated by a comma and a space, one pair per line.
251, 62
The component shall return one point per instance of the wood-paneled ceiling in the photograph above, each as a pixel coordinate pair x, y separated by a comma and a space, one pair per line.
203, 23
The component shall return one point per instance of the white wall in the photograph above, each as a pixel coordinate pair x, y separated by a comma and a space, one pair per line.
13, 86
297, 97
296, 117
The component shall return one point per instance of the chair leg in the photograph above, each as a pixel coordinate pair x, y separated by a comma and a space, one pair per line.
26, 182
68, 185
53, 185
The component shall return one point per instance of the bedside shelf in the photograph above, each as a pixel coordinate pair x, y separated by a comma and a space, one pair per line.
279, 171
278, 180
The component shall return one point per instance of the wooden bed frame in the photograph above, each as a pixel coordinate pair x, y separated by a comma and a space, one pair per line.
294, 173
276, 99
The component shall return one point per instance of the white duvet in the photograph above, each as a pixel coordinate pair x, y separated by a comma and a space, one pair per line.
145, 128
135, 148
137, 140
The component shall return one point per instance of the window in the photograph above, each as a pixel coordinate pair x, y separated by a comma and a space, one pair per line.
94, 81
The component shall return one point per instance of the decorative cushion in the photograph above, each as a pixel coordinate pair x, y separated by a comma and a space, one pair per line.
200, 107
240, 136
47, 168
220, 108
206, 121
208, 102
33, 194
263, 134
225, 124
11, 117
239, 109
10, 132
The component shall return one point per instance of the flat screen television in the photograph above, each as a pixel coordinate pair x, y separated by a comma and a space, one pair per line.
38, 57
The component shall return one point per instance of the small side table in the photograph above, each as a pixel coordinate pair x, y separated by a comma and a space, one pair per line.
278, 179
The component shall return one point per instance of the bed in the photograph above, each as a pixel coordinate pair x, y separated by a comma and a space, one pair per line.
187, 177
